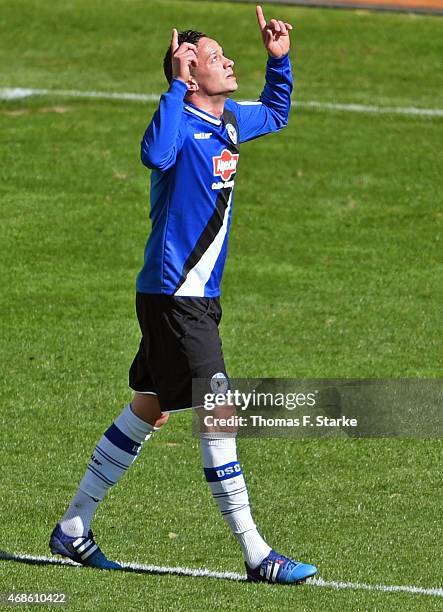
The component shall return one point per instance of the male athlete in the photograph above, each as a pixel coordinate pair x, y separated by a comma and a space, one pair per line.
192, 148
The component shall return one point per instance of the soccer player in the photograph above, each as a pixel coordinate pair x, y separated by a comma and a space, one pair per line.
192, 148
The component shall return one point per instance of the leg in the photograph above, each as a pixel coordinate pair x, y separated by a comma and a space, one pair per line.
147, 408
225, 478
115, 452
121, 443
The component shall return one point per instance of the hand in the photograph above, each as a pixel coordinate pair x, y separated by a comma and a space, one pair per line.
275, 34
183, 57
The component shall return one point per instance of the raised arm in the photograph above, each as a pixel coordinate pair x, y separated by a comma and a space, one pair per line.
162, 141
271, 112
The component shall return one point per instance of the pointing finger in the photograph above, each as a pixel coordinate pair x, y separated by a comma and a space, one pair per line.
260, 17
174, 41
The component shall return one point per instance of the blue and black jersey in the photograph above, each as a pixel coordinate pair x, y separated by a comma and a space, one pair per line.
194, 157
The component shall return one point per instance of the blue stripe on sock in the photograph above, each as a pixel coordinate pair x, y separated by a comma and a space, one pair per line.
223, 472
235, 492
105, 480
235, 510
111, 459
119, 439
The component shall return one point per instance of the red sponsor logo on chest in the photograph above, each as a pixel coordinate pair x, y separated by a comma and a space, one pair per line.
225, 165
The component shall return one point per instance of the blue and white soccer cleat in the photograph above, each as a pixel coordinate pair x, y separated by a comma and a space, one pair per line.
82, 550
279, 569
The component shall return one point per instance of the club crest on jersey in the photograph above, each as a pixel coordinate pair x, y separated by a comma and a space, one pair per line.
232, 132
225, 165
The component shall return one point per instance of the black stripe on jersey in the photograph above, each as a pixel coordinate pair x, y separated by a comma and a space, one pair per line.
215, 223
208, 235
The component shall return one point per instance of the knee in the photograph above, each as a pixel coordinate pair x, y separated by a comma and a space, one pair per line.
147, 408
222, 419
161, 420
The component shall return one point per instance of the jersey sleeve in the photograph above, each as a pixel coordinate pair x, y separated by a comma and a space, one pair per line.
162, 139
270, 113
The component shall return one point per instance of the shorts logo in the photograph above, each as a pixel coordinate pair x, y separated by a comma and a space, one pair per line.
219, 383
225, 165
232, 132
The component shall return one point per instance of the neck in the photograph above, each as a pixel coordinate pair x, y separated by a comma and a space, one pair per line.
214, 105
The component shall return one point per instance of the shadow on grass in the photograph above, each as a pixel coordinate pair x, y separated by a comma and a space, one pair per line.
204, 573
126, 567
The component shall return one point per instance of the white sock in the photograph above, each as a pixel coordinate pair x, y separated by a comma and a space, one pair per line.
253, 547
78, 516
225, 478
115, 452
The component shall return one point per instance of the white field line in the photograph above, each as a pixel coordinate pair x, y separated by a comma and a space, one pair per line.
17, 93
205, 573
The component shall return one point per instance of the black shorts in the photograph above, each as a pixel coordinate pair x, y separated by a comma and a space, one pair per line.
180, 341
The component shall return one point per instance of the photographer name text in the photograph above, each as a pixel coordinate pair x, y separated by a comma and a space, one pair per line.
257, 420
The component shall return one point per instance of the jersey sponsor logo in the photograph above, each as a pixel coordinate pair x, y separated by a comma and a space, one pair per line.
202, 135
222, 185
232, 132
225, 165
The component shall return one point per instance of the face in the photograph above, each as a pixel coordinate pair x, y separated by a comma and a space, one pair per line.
214, 73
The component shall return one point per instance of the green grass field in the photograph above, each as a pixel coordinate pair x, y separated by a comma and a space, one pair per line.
334, 271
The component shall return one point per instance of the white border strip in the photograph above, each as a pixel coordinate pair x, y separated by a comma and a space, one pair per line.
18, 93
187, 571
